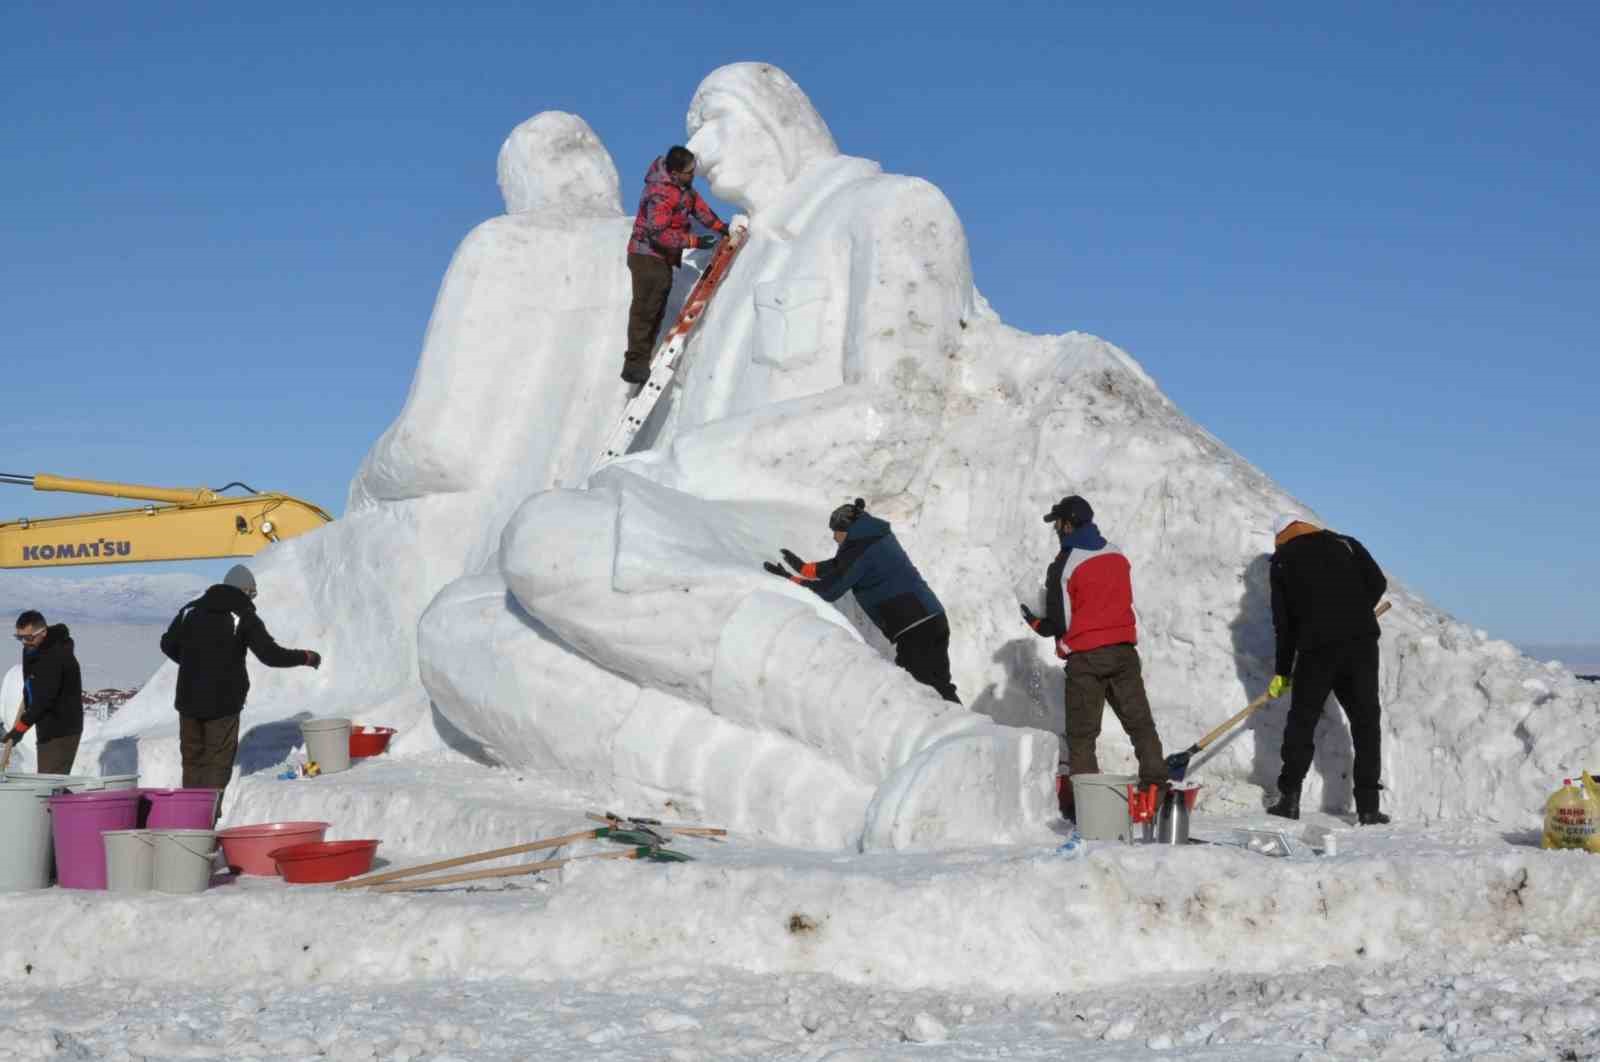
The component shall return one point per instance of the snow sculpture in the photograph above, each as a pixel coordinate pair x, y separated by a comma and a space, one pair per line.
527, 323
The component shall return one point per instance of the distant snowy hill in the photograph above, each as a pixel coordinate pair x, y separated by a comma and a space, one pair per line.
122, 598
116, 620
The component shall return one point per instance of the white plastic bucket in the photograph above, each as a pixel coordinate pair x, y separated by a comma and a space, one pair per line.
1100, 802
327, 743
130, 860
26, 848
78, 783
183, 860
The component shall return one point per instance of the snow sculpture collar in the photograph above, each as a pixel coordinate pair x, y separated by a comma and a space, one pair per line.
753, 131
554, 160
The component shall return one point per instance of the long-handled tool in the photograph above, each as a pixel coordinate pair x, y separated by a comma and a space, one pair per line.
630, 822
634, 837
654, 853
1178, 762
5, 756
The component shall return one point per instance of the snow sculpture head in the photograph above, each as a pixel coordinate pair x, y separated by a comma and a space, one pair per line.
555, 160
753, 132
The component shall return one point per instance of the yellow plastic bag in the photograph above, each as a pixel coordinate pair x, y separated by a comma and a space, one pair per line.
1572, 816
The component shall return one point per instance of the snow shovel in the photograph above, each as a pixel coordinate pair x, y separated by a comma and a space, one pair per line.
635, 837
1178, 762
651, 852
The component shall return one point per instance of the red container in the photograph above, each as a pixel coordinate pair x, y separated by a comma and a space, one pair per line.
305, 864
369, 740
248, 849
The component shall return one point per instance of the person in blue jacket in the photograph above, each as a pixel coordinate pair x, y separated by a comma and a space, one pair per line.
889, 589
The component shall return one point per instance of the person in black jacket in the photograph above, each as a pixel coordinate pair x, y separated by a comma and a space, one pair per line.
889, 589
52, 693
1325, 587
207, 640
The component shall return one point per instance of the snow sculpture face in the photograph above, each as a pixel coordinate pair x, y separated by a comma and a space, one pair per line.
753, 131
555, 160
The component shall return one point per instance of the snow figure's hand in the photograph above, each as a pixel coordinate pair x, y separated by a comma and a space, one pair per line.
738, 226
792, 559
1278, 685
775, 570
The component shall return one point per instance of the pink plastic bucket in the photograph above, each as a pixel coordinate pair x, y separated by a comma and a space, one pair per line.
78, 820
179, 809
247, 848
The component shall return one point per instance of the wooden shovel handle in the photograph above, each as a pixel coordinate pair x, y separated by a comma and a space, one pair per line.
5, 757
1255, 705
476, 857
501, 872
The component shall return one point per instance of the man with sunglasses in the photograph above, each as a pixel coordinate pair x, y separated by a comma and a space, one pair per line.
52, 694
661, 233
207, 640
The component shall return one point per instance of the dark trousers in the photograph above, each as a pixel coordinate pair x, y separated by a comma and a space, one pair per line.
924, 651
209, 747
1111, 673
56, 755
1350, 672
652, 283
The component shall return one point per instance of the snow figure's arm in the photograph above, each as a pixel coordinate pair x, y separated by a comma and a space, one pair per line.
706, 216
1371, 575
1283, 625
910, 286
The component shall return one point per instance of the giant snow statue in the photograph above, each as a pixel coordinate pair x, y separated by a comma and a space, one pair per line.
529, 310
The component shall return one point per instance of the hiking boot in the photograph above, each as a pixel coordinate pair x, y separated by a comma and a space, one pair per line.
635, 372
1372, 818
1287, 807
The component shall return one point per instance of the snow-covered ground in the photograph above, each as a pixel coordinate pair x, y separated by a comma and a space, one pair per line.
1409, 943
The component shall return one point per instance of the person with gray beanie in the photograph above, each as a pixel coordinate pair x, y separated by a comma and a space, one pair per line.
207, 640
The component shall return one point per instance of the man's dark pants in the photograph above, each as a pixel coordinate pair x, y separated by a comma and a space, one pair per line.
1110, 673
924, 651
652, 283
1350, 672
209, 747
56, 755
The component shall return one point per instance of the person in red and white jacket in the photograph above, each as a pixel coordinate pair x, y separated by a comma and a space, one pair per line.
1089, 613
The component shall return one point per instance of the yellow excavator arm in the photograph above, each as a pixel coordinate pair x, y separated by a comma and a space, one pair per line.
190, 523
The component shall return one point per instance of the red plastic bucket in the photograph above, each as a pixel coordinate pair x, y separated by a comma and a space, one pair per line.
304, 864
248, 849
369, 740
78, 820
180, 809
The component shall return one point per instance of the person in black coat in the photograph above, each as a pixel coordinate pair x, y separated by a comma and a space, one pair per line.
1325, 587
207, 640
871, 564
52, 693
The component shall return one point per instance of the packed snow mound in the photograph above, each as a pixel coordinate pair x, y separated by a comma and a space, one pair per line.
486, 592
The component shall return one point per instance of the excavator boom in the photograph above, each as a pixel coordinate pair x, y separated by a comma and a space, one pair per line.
197, 523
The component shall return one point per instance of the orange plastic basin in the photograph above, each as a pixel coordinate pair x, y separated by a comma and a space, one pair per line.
369, 740
319, 861
248, 849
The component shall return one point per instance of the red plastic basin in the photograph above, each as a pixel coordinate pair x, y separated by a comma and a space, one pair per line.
369, 740
248, 849
304, 864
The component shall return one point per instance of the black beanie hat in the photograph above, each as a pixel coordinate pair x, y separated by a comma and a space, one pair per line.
845, 515
1073, 509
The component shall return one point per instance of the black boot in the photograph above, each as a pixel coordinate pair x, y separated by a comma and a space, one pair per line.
1288, 805
635, 371
1367, 813
1372, 818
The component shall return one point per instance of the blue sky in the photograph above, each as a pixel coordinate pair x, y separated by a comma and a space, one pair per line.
1357, 241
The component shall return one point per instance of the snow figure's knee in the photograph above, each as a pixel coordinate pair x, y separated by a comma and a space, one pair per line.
560, 542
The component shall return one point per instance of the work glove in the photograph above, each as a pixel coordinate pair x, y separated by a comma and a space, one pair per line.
14, 737
1279, 686
1027, 615
707, 240
792, 559
775, 570
313, 658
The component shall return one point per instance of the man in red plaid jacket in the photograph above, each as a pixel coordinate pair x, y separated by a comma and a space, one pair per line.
660, 236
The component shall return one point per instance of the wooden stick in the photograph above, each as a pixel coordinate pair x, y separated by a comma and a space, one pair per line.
5, 757
476, 857
503, 872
